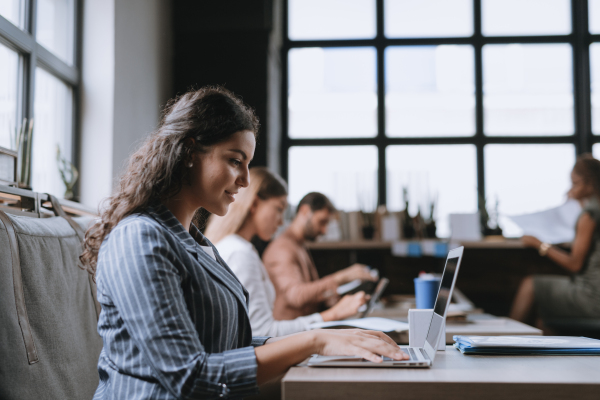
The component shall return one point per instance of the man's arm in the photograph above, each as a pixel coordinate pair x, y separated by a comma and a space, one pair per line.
284, 269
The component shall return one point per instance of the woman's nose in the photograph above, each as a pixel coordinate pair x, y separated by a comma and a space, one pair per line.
244, 178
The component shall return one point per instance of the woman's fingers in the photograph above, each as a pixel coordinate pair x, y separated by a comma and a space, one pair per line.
379, 347
374, 334
370, 345
383, 337
367, 355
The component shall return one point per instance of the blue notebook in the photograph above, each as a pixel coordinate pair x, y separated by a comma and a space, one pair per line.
527, 345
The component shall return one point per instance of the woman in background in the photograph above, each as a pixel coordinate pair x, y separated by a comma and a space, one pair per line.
578, 295
258, 210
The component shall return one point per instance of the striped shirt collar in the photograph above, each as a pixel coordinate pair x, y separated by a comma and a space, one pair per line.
166, 218
220, 270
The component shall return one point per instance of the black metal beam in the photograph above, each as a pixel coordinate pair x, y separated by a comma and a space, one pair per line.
430, 41
390, 141
381, 126
285, 145
479, 114
581, 76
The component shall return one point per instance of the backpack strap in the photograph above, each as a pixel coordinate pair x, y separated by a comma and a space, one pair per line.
32, 356
58, 210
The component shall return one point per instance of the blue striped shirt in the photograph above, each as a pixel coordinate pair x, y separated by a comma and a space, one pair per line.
174, 321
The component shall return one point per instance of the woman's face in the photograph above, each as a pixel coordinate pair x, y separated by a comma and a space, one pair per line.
580, 189
267, 216
219, 173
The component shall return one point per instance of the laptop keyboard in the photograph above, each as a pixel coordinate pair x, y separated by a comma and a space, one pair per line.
407, 350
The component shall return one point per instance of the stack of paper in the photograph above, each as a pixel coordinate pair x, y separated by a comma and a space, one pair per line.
553, 226
524, 345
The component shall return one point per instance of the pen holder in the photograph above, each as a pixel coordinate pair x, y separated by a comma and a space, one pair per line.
418, 326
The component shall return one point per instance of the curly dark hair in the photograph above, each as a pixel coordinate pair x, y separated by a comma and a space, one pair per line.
156, 171
588, 168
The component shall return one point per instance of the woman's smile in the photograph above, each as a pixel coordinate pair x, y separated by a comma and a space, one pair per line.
231, 195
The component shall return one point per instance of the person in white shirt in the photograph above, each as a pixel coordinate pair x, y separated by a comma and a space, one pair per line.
258, 210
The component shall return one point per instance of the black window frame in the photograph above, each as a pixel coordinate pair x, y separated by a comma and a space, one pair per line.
32, 55
580, 39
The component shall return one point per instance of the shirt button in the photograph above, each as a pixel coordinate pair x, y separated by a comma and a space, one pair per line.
224, 390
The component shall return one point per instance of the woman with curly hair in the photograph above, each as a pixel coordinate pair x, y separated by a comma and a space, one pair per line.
174, 318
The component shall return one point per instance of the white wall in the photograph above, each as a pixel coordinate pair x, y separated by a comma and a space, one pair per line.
126, 80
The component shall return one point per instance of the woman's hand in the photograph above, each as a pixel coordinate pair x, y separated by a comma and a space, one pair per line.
531, 241
356, 271
279, 354
346, 307
370, 345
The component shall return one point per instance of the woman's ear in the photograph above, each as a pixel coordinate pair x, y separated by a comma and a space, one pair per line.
188, 151
254, 205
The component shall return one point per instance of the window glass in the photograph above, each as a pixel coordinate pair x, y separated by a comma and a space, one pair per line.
443, 174
12, 10
594, 16
53, 108
595, 86
525, 17
526, 178
528, 90
345, 174
596, 150
331, 19
55, 27
430, 91
9, 74
428, 18
332, 92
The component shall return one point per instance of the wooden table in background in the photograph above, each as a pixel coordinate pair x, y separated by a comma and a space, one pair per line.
489, 275
454, 377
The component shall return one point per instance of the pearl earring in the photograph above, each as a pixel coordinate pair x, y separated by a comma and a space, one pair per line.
190, 164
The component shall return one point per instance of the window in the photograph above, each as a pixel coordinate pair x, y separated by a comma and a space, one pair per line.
442, 175
459, 101
333, 172
430, 91
39, 77
332, 92
526, 178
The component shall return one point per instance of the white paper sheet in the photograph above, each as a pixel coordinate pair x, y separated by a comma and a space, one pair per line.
556, 225
373, 323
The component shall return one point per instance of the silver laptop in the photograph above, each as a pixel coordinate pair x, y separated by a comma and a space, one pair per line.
420, 357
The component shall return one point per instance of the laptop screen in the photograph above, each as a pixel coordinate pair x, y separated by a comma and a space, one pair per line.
443, 298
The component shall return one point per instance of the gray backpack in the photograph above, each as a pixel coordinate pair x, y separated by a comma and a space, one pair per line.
49, 345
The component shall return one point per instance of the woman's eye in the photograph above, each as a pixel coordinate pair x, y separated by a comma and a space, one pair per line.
236, 162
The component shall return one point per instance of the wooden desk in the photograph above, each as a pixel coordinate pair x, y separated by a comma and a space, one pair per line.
454, 376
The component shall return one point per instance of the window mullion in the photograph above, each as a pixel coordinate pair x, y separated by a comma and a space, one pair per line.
56, 66
31, 64
581, 76
380, 46
479, 114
